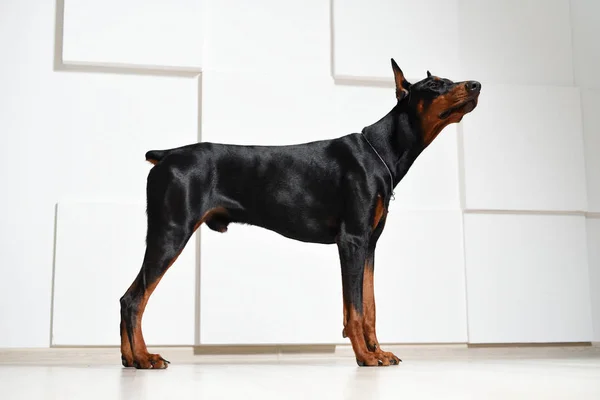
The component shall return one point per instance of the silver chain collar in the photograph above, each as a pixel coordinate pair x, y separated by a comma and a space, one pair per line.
393, 197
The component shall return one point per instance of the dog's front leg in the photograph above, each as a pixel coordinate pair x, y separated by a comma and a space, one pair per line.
369, 313
353, 253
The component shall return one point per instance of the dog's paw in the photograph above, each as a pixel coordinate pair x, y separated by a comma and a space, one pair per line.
377, 358
390, 358
150, 361
126, 361
370, 360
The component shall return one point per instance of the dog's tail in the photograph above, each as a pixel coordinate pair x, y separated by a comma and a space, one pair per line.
154, 156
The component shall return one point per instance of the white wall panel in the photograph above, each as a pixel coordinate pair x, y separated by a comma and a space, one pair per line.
419, 35
593, 239
268, 35
270, 289
419, 278
270, 109
590, 102
432, 181
516, 41
106, 123
523, 149
359, 106
99, 251
527, 278
27, 219
258, 287
74, 136
274, 290
586, 30
141, 32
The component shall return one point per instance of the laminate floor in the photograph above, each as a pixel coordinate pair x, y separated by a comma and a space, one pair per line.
428, 372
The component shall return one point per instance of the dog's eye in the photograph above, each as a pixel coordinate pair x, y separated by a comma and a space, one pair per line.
435, 84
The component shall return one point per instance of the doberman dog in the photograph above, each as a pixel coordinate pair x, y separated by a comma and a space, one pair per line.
330, 192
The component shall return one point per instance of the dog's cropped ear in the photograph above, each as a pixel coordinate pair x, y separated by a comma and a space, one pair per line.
402, 85
428, 74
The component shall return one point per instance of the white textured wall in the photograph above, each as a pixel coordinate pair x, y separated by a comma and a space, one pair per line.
586, 64
521, 152
77, 139
492, 237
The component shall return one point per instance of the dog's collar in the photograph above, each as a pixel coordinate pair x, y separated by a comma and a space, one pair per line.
393, 197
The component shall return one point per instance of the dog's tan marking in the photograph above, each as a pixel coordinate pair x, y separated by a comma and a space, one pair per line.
369, 312
379, 210
431, 123
369, 307
354, 331
140, 351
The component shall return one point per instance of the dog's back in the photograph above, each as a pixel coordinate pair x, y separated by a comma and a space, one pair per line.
295, 190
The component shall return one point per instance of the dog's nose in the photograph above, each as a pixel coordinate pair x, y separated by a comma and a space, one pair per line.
473, 86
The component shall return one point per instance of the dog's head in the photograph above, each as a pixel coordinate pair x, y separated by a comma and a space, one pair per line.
436, 102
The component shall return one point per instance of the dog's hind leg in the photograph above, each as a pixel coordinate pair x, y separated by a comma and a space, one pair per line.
170, 226
160, 255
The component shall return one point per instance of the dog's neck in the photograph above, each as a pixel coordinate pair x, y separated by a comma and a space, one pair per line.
398, 139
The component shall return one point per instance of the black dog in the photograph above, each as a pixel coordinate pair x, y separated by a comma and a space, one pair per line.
330, 191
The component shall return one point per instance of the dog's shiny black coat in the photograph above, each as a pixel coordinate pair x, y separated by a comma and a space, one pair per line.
319, 192
304, 192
